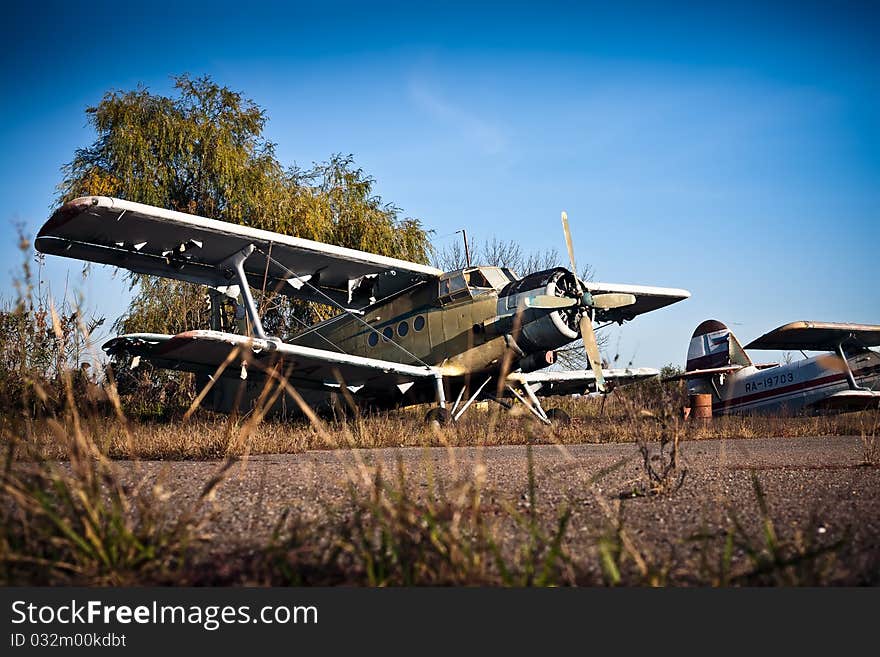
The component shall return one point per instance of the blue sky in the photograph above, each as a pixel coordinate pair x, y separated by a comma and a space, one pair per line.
730, 150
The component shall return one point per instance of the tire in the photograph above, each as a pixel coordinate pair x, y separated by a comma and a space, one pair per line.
558, 417
439, 415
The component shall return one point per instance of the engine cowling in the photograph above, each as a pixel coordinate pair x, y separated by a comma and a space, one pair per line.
540, 330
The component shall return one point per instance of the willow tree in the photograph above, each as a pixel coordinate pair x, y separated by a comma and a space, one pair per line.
202, 151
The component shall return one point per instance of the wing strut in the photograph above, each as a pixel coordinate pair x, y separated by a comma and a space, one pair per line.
849, 374
236, 261
304, 280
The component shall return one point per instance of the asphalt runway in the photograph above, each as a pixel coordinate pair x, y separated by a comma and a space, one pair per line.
816, 488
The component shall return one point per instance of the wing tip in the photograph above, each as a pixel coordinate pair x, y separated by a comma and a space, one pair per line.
68, 211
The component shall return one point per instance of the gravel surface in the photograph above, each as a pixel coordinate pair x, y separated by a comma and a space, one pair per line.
817, 489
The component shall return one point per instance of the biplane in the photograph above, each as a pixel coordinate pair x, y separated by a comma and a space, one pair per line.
405, 333
844, 378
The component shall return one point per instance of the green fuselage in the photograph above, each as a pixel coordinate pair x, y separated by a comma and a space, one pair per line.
416, 329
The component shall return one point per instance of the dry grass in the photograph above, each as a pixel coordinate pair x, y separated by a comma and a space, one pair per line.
78, 522
390, 535
209, 436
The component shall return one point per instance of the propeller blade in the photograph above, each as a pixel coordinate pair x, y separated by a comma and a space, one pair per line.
612, 300
570, 246
592, 349
548, 301
586, 323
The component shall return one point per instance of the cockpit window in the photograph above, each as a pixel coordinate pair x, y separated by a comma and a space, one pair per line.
473, 282
510, 274
477, 279
453, 286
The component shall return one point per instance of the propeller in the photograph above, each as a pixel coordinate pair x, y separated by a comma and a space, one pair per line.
587, 302
592, 348
611, 300
548, 301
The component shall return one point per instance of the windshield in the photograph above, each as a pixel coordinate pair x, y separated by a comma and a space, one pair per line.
453, 283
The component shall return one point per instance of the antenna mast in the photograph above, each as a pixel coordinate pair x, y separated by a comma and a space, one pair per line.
467, 253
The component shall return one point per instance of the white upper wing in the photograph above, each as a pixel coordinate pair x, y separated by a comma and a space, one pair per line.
151, 240
648, 298
818, 336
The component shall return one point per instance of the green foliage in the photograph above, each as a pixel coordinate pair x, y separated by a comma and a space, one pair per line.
36, 349
203, 151
670, 370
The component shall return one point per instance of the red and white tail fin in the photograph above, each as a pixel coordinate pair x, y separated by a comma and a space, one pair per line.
713, 351
713, 345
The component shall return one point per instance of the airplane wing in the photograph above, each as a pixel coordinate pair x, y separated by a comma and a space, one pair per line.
203, 352
817, 336
545, 384
647, 299
849, 400
150, 240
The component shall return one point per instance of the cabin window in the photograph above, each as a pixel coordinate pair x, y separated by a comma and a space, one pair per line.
387, 333
373, 339
402, 329
419, 323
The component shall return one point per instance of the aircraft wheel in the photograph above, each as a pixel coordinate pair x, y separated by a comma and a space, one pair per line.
558, 417
439, 415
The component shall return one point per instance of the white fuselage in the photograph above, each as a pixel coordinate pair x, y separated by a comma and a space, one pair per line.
788, 387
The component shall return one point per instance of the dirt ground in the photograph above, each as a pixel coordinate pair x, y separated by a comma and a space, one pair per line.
818, 492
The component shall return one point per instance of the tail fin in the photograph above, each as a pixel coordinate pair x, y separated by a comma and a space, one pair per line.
714, 345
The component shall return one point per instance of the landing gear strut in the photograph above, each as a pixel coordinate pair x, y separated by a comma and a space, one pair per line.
532, 403
442, 415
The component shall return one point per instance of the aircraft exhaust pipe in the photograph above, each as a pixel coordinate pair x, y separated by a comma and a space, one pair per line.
537, 361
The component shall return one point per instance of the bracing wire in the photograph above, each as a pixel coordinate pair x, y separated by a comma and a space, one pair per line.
338, 305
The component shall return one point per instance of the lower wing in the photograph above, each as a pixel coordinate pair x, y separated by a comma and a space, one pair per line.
545, 384
228, 354
850, 400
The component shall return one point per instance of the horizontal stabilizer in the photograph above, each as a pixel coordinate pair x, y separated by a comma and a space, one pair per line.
704, 373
